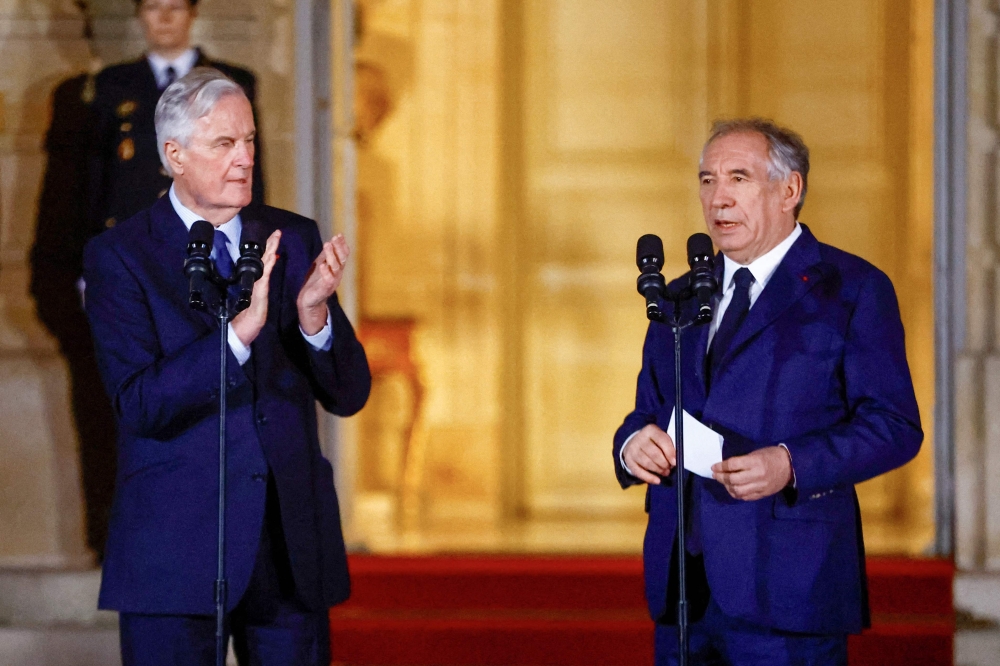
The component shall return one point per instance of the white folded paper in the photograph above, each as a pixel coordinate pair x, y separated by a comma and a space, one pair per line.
702, 445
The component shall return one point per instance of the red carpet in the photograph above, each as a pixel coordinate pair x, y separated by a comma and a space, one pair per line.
555, 611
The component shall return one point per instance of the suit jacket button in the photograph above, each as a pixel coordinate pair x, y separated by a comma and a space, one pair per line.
232, 383
110, 222
259, 477
261, 419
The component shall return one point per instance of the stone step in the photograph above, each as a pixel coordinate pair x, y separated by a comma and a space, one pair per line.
66, 645
45, 597
59, 646
50, 618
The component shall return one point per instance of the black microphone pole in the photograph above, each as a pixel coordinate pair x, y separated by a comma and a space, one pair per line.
221, 584
201, 271
649, 258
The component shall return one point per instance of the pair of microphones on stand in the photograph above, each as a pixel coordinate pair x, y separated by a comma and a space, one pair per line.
201, 271
701, 283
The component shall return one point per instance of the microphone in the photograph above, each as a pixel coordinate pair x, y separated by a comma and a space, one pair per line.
198, 265
649, 259
249, 266
701, 259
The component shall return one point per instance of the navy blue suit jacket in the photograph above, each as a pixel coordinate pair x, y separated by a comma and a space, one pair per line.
819, 365
160, 363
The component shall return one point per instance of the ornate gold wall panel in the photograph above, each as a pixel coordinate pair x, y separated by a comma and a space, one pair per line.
614, 113
531, 142
427, 223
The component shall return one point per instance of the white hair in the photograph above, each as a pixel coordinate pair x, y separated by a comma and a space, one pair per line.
187, 99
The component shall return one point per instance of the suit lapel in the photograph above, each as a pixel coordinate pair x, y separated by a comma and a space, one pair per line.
170, 235
699, 354
794, 277
150, 90
254, 214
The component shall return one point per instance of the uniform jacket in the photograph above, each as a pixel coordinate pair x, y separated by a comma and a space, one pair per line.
819, 365
160, 362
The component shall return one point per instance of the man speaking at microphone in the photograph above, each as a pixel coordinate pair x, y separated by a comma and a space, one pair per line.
159, 358
803, 373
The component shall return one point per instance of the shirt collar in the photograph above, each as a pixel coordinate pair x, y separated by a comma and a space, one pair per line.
182, 64
233, 228
763, 267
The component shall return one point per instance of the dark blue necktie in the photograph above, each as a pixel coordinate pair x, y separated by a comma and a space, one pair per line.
223, 260
739, 305
731, 321
170, 76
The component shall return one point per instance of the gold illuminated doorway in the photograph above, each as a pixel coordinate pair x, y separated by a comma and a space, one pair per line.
526, 145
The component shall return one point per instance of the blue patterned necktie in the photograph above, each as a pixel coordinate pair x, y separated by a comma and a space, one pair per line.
223, 260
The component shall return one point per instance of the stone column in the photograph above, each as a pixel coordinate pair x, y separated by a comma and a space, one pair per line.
977, 359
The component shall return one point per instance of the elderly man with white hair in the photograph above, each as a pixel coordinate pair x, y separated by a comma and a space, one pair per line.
159, 359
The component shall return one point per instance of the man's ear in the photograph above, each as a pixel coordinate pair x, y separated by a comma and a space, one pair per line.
174, 153
791, 191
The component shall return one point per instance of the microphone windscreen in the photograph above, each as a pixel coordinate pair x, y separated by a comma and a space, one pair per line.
700, 245
253, 232
202, 232
648, 246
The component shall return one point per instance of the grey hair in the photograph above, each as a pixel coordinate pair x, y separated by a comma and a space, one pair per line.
786, 151
187, 99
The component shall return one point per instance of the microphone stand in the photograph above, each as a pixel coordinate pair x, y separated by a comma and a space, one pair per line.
675, 322
221, 584
223, 315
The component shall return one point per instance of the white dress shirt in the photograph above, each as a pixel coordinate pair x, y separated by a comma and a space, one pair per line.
233, 229
762, 268
182, 64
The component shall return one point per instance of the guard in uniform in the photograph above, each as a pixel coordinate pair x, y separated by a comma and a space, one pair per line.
63, 227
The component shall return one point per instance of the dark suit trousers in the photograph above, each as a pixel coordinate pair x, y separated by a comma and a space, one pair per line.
719, 640
269, 626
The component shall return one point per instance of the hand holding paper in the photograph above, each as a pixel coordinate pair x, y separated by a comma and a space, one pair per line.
649, 454
702, 445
